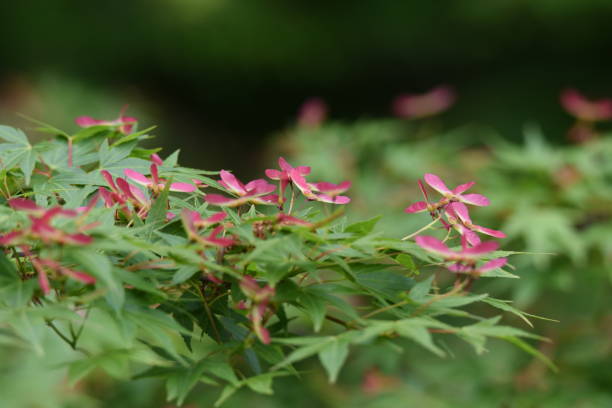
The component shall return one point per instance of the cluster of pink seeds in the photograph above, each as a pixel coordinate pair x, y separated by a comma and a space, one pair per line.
452, 212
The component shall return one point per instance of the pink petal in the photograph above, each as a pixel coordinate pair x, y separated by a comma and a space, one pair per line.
300, 182
8, 239
217, 199
109, 180
433, 244
232, 183
170, 216
460, 211
291, 220
124, 186
488, 231
183, 187
139, 196
215, 218
78, 239
23, 204
493, 264
332, 200
189, 219
87, 121
271, 199
274, 174
284, 165
436, 183
259, 186
80, 276
156, 159
137, 177
417, 207
106, 197
481, 249
471, 237
303, 170
331, 189
154, 173
43, 281
422, 188
463, 187
475, 199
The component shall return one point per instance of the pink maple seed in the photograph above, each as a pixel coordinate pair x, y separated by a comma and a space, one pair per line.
578, 105
419, 206
10, 238
180, 187
437, 184
156, 159
229, 181
137, 177
332, 200
430, 103
286, 219
155, 174
434, 245
312, 112
23, 204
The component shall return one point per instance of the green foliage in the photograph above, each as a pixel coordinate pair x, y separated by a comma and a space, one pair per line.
135, 285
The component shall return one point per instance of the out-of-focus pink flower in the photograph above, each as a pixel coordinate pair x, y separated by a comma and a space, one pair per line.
437, 184
473, 270
155, 183
322, 191
454, 195
430, 103
156, 159
285, 219
123, 192
330, 192
312, 112
284, 175
585, 109
459, 218
260, 298
124, 124
41, 227
256, 191
464, 260
466, 254
42, 265
193, 222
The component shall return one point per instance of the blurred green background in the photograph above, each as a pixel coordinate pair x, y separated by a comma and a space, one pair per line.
224, 81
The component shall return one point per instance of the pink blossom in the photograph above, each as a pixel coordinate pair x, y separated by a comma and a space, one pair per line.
473, 270
284, 175
330, 192
459, 218
312, 113
123, 123
260, 299
256, 191
285, 219
323, 191
42, 265
41, 227
466, 254
437, 184
193, 222
578, 105
155, 183
430, 103
156, 159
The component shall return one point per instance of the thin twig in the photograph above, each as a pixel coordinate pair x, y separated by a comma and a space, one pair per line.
407, 237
